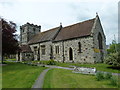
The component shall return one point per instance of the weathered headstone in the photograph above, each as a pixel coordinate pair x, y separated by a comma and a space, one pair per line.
84, 70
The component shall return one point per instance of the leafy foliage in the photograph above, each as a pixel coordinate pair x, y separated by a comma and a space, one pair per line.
114, 47
108, 76
51, 62
99, 76
113, 59
9, 40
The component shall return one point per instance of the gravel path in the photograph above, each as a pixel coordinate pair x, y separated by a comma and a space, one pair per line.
39, 82
59, 67
117, 74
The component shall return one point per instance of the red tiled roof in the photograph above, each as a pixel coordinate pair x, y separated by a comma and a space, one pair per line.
73, 31
77, 30
44, 36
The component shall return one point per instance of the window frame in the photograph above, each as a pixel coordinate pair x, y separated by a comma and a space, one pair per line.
57, 51
35, 50
43, 49
79, 47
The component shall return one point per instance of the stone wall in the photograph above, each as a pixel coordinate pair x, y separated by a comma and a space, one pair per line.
85, 56
97, 28
27, 31
90, 52
58, 56
39, 55
24, 56
36, 56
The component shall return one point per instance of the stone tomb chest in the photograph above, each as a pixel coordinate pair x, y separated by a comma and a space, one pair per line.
84, 70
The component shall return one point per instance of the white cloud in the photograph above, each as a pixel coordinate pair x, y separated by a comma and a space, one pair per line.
50, 13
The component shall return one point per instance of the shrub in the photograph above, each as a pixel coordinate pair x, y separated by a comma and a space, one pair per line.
51, 62
114, 81
113, 59
99, 76
108, 75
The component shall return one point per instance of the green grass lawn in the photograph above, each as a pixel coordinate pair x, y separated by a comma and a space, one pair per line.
0, 77
14, 59
60, 78
16, 75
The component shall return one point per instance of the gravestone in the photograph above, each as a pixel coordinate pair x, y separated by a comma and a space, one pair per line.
84, 70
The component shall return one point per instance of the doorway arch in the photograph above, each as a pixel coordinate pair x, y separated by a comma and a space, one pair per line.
70, 54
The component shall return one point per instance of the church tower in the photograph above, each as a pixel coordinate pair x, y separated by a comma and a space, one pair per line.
27, 31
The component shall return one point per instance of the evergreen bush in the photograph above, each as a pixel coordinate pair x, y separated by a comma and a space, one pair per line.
51, 62
99, 76
113, 59
108, 75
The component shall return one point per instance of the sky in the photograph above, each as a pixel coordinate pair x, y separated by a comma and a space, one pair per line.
50, 13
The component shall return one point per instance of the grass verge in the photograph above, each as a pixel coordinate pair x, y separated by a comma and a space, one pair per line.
16, 75
60, 78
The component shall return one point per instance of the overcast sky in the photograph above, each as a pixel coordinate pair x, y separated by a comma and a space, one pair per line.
49, 13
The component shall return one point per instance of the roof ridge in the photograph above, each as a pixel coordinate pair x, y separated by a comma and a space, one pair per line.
49, 30
79, 23
46, 31
65, 26
57, 33
76, 30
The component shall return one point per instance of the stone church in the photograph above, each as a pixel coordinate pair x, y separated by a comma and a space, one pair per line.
83, 42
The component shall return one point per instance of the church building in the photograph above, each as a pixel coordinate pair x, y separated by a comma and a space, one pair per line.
83, 42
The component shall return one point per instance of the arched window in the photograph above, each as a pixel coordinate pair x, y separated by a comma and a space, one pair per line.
100, 41
34, 30
79, 46
57, 49
70, 54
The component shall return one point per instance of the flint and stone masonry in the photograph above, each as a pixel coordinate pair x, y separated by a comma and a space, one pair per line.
83, 42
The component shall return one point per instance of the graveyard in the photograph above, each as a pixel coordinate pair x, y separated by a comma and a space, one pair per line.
23, 75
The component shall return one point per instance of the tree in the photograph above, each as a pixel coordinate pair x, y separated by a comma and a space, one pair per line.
9, 41
114, 47
113, 57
